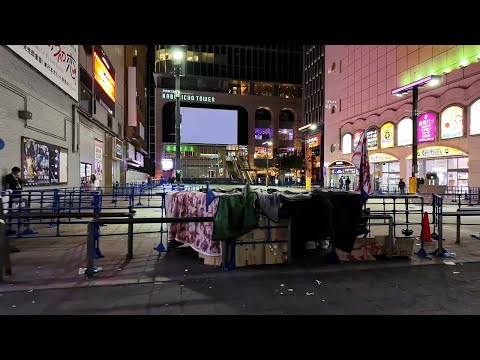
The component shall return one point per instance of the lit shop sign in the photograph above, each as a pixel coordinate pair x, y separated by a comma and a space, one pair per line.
379, 157
340, 163
118, 149
437, 151
103, 76
312, 141
170, 95
347, 170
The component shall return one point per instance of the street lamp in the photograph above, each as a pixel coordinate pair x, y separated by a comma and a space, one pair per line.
178, 55
431, 80
304, 130
269, 143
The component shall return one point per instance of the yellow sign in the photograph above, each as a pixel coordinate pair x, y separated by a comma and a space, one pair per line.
381, 157
308, 183
386, 136
412, 185
437, 151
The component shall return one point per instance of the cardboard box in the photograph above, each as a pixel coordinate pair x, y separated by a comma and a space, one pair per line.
211, 260
403, 246
363, 250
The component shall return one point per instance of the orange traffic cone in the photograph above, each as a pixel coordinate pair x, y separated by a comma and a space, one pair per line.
426, 235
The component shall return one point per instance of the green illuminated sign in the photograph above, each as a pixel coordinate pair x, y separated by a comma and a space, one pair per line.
183, 148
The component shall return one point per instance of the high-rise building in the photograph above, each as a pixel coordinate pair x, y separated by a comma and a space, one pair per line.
360, 80
259, 85
314, 107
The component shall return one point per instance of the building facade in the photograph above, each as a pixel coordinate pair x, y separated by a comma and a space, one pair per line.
261, 85
101, 113
65, 114
359, 81
314, 107
38, 94
136, 109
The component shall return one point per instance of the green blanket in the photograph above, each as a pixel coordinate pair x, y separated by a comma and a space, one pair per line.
236, 215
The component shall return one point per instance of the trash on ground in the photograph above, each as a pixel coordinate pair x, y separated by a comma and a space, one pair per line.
119, 269
310, 293
282, 285
281, 293
30, 290
450, 255
290, 289
323, 300
82, 271
318, 282
186, 270
456, 272
33, 302
182, 285
14, 305
449, 263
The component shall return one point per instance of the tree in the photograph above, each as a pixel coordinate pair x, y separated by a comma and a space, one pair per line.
287, 162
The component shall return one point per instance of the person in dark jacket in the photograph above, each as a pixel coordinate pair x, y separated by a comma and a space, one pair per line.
401, 186
15, 183
347, 184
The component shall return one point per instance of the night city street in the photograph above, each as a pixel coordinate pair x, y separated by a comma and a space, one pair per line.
267, 179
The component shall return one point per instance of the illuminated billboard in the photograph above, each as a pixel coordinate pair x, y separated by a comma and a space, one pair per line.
104, 75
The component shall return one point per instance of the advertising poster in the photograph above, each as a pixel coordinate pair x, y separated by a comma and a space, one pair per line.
98, 165
356, 138
405, 132
43, 163
58, 63
372, 139
386, 136
427, 127
452, 123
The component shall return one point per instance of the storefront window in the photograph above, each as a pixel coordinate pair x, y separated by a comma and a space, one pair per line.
285, 134
263, 133
475, 118
347, 144
404, 132
451, 122
463, 163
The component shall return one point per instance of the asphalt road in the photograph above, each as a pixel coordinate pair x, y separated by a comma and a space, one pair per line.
428, 289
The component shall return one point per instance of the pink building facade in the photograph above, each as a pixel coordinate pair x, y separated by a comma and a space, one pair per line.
358, 84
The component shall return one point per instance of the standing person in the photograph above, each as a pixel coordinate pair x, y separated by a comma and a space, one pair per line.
15, 183
340, 183
347, 184
401, 186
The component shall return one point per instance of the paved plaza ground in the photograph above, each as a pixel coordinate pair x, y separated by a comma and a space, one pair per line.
50, 266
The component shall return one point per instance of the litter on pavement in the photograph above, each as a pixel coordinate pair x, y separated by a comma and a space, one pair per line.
449, 263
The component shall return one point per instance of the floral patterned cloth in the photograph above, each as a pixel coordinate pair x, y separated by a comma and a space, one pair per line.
198, 235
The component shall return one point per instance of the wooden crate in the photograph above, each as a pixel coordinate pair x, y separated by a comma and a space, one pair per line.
249, 254
276, 253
